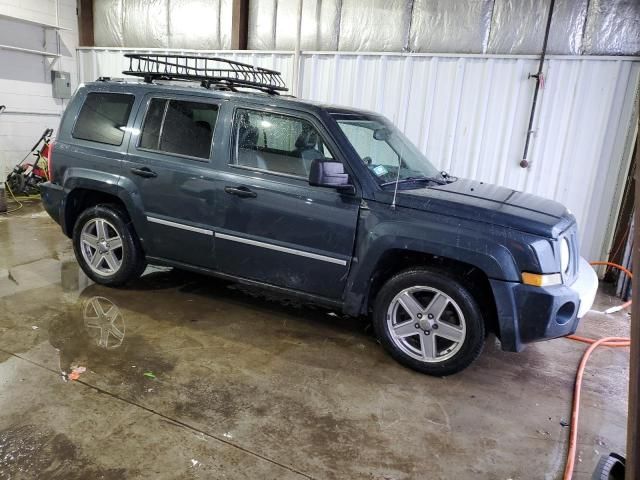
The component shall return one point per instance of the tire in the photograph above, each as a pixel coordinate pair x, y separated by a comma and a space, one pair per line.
122, 259
16, 183
422, 343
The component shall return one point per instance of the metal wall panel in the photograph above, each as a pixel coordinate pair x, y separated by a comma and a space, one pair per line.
25, 79
469, 115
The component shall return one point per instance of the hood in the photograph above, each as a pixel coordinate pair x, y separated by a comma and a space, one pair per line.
484, 202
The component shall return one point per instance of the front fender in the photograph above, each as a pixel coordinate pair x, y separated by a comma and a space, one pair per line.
489, 249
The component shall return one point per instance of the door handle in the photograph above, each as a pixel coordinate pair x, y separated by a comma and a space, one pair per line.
242, 192
144, 172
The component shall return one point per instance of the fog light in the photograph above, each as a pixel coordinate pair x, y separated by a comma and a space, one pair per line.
565, 313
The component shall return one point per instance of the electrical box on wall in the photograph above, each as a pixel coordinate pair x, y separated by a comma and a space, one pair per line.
61, 84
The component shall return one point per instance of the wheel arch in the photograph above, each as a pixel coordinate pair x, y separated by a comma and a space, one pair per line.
79, 199
470, 276
87, 188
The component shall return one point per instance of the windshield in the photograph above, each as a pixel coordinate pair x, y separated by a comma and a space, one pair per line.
382, 147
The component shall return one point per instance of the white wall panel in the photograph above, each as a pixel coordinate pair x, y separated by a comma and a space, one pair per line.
469, 115
25, 79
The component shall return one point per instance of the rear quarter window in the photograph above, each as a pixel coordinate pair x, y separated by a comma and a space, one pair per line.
103, 118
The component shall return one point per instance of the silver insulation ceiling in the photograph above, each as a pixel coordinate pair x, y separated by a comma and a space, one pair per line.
193, 24
592, 27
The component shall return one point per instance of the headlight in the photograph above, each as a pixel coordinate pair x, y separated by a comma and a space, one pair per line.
564, 255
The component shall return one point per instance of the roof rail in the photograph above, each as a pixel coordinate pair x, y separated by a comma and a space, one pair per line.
221, 73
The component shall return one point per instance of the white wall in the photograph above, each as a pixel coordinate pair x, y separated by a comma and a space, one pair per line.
25, 78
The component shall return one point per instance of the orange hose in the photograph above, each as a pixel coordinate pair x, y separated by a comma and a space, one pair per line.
575, 412
615, 265
575, 409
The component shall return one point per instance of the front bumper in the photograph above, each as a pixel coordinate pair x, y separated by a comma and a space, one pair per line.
529, 314
586, 285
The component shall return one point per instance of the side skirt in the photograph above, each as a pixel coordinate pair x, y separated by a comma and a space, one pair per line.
303, 296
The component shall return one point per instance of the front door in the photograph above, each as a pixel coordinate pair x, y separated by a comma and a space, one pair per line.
169, 162
272, 226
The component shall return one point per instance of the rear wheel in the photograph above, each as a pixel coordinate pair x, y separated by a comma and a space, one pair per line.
429, 322
106, 246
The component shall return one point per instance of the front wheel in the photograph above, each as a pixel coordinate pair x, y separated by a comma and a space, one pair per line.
106, 246
429, 322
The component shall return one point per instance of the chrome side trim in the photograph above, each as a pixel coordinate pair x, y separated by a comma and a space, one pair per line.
180, 225
278, 248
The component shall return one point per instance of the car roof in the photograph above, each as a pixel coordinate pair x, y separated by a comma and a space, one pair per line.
283, 100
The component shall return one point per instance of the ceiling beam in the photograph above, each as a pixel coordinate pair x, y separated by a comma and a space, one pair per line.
239, 24
85, 23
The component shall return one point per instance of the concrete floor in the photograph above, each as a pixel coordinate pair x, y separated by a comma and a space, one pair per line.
252, 387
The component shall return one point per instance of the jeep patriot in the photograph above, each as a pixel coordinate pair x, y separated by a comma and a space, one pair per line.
331, 205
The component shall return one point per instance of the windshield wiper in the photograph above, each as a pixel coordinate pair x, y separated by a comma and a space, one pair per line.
422, 178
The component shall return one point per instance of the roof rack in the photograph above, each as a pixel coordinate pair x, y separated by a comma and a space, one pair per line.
222, 73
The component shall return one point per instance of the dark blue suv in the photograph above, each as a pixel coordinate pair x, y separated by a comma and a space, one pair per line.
331, 205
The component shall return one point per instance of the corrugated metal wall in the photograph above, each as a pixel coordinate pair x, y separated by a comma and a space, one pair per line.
469, 115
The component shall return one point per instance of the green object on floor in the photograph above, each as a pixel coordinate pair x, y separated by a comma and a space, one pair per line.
149, 374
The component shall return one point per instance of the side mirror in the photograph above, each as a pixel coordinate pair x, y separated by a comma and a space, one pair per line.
381, 133
329, 174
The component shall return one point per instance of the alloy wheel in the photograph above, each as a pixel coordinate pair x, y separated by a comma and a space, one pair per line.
426, 324
101, 247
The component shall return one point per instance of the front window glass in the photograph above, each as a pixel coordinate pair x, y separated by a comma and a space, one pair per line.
277, 143
384, 149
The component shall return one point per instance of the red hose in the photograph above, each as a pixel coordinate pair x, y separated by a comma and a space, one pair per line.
575, 409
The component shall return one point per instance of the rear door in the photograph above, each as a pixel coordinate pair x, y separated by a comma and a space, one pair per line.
272, 226
169, 162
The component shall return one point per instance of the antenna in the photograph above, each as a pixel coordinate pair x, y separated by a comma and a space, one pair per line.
395, 189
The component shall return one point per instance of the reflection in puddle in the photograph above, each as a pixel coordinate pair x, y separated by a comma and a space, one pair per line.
90, 331
104, 322
121, 333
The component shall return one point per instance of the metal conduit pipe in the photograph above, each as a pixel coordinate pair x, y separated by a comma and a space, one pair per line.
539, 76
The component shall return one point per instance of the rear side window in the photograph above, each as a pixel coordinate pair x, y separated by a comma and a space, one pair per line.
103, 118
179, 127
